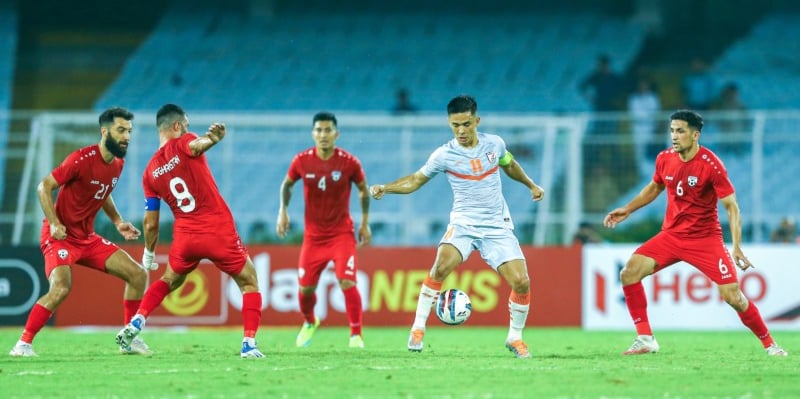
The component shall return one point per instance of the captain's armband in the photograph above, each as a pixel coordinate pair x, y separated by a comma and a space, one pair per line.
152, 204
506, 159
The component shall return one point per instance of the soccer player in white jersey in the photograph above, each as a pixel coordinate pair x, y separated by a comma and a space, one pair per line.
479, 219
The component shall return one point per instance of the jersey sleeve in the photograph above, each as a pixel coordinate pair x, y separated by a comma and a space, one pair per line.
183, 144
721, 182
294, 172
147, 185
358, 174
660, 159
68, 170
436, 163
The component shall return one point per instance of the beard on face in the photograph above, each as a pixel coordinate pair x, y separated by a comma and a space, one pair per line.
115, 148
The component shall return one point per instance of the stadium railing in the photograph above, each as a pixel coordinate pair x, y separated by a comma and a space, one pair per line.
562, 152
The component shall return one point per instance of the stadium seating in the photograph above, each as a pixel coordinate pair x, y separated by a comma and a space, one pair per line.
357, 61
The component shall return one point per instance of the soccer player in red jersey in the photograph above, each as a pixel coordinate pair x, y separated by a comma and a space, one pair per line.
695, 179
178, 174
86, 179
327, 173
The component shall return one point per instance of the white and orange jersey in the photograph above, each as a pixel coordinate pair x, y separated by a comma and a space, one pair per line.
474, 177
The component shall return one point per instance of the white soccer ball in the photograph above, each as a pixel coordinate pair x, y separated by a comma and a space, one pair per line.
453, 307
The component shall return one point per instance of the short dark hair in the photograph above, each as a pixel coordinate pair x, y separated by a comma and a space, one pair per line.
324, 116
462, 103
693, 119
107, 117
168, 113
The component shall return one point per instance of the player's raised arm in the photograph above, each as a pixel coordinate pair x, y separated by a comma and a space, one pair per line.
649, 193
404, 185
215, 134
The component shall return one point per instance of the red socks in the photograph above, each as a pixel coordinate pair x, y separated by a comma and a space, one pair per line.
153, 297
36, 320
636, 301
752, 319
251, 313
307, 303
352, 301
131, 307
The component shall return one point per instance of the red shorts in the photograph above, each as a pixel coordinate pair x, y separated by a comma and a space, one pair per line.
315, 254
223, 248
709, 255
90, 252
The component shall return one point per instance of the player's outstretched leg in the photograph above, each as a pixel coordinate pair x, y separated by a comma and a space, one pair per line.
427, 296
642, 344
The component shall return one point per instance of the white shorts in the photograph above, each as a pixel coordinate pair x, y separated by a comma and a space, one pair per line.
496, 245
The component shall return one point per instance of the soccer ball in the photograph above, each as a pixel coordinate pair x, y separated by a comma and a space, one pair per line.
453, 307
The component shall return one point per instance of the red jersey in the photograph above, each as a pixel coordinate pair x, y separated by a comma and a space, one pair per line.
86, 180
693, 190
186, 184
326, 189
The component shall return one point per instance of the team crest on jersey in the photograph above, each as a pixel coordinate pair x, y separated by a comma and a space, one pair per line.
62, 253
336, 175
692, 180
491, 157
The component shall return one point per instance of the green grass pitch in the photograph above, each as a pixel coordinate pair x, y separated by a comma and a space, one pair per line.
458, 362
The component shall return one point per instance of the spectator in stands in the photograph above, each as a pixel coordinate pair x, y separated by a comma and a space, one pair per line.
644, 105
734, 122
786, 232
586, 234
403, 103
603, 87
699, 86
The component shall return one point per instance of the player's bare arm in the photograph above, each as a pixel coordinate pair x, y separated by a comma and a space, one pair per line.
215, 134
404, 185
125, 228
364, 232
649, 193
735, 221
45, 191
150, 227
515, 171
282, 225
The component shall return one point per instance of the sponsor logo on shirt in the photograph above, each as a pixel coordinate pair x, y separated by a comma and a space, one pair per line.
310, 175
670, 178
692, 181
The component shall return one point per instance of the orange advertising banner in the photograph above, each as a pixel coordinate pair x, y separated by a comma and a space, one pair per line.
389, 279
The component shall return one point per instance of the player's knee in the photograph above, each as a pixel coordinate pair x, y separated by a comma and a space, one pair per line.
59, 292
521, 284
631, 273
137, 278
